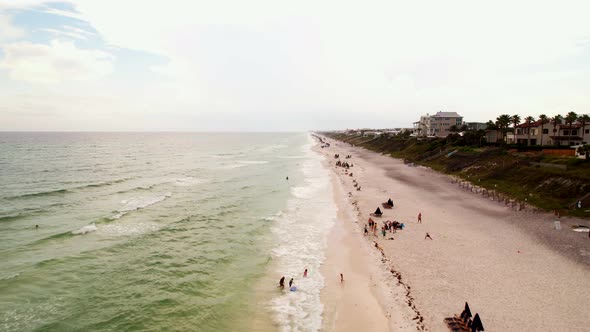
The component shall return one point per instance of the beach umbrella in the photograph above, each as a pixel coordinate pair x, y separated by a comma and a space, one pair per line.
466, 312
477, 324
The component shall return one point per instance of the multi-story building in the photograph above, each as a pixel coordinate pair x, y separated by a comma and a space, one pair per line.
550, 134
438, 124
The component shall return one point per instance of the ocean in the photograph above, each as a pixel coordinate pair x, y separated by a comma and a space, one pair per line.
161, 231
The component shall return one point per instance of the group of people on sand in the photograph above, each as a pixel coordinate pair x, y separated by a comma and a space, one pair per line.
344, 164
388, 225
371, 225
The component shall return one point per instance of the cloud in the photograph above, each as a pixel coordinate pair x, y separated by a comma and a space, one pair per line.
69, 32
56, 62
8, 31
380, 62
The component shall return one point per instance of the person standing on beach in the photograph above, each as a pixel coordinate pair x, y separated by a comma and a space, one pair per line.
341, 278
419, 217
305, 273
282, 283
290, 283
366, 231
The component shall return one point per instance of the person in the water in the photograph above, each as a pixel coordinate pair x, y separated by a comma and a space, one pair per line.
282, 283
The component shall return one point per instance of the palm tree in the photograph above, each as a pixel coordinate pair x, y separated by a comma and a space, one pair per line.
556, 120
515, 120
491, 125
570, 118
584, 120
528, 120
502, 122
544, 120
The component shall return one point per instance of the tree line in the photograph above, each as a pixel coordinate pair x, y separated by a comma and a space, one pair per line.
504, 121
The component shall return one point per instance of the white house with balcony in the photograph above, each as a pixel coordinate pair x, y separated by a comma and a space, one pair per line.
438, 124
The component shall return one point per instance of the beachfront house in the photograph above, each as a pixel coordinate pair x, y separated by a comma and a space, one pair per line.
438, 125
561, 134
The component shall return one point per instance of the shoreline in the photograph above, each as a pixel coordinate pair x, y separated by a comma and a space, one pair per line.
350, 305
511, 267
358, 303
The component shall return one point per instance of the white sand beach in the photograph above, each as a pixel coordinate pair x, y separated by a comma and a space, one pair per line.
514, 268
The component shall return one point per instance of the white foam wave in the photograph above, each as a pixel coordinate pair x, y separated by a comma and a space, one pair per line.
253, 162
137, 203
292, 157
11, 276
126, 229
223, 156
244, 163
271, 218
188, 181
85, 229
301, 231
271, 148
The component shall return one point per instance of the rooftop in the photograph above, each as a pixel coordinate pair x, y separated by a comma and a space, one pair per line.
447, 115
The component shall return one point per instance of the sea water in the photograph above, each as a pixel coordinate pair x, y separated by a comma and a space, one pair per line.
161, 231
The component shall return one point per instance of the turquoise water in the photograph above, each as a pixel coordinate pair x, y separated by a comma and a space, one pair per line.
157, 231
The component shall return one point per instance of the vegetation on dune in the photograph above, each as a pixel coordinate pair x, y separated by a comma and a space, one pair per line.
521, 172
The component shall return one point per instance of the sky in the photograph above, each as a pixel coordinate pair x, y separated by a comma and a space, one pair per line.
176, 65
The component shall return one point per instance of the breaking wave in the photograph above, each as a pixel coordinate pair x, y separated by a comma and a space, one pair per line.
41, 193
137, 203
85, 229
